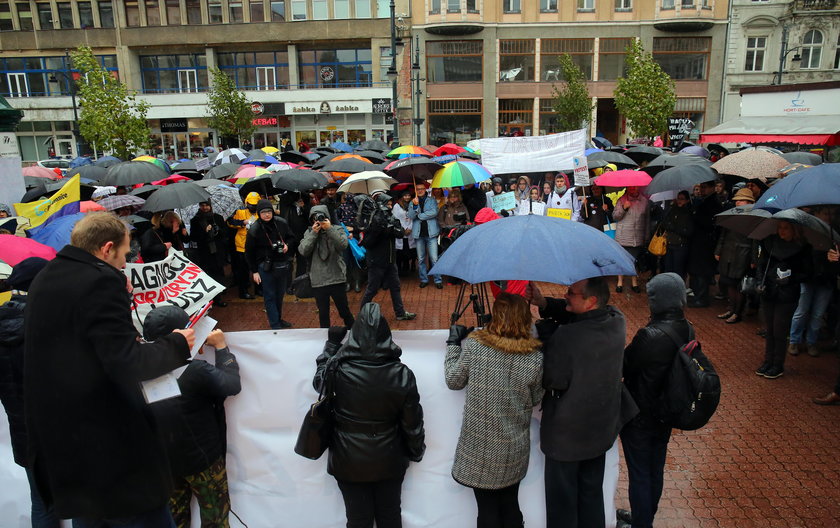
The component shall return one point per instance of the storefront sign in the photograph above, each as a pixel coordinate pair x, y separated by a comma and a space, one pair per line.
274, 109
327, 73
798, 103
381, 106
8, 145
265, 122
325, 108
173, 125
257, 108
328, 107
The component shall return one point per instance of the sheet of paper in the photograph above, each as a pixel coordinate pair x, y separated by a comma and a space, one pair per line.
161, 388
202, 329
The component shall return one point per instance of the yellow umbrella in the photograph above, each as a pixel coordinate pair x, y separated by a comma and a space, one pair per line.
270, 150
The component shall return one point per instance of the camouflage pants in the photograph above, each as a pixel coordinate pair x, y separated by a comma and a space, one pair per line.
210, 488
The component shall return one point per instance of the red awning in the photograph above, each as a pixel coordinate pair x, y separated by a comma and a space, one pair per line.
799, 139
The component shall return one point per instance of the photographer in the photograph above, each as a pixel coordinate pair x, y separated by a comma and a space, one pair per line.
209, 232
380, 230
267, 253
323, 245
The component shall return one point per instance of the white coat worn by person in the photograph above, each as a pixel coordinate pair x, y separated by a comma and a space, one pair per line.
563, 201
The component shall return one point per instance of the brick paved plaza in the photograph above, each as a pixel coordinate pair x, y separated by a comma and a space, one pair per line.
768, 458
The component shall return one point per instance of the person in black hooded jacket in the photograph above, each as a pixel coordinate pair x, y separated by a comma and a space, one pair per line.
378, 419
267, 253
647, 361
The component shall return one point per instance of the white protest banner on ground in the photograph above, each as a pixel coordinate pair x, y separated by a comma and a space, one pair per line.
581, 171
509, 155
174, 280
272, 486
504, 202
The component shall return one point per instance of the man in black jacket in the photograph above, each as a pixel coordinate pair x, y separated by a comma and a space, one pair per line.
94, 452
701, 253
647, 361
585, 403
267, 253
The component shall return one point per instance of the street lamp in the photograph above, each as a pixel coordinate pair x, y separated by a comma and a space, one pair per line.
392, 72
783, 55
415, 77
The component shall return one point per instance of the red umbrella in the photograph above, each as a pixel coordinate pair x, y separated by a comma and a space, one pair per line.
88, 206
14, 249
623, 178
175, 178
448, 148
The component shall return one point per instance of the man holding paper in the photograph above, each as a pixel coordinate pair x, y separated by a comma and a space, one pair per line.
95, 455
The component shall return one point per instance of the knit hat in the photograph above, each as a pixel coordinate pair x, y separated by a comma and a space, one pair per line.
252, 198
162, 320
745, 195
666, 291
264, 205
4, 207
25, 271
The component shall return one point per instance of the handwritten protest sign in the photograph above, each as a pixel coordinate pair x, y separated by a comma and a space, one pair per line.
509, 155
530, 207
504, 202
559, 213
175, 280
581, 171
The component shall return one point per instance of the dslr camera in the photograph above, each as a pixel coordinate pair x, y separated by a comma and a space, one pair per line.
320, 217
277, 247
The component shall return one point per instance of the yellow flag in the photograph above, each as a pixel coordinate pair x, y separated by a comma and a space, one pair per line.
65, 201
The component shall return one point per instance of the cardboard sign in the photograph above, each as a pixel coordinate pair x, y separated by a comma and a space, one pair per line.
202, 164
527, 207
504, 202
175, 280
566, 214
581, 171
678, 129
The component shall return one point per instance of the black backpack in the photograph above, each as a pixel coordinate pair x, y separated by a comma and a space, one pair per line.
691, 392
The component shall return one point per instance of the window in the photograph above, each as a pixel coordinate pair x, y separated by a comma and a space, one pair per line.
434, 7
837, 55
454, 61
516, 60
6, 17
335, 68
256, 10
362, 8
580, 51
548, 117
45, 18
85, 14
173, 12
187, 81
515, 117
384, 63
623, 5
667, 4
65, 15
17, 86
472, 6
132, 13
586, 5
261, 70
193, 12
24, 12
278, 10
511, 6
611, 58
106, 14
682, 57
454, 121
687, 4
341, 9
174, 73
811, 50
214, 9
755, 53
235, 14
298, 9
39, 76
548, 6
454, 6
319, 10
152, 12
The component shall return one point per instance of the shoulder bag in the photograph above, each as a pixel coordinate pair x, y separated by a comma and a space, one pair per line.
317, 427
658, 245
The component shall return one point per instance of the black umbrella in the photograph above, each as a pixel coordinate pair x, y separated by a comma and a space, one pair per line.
298, 180
35, 193
294, 156
601, 142
374, 144
264, 185
185, 166
679, 178
91, 172
144, 191
191, 174
257, 155
619, 160
742, 219
326, 159
107, 161
349, 165
176, 196
806, 158
643, 153
666, 161
131, 173
816, 232
33, 182
372, 155
408, 170
220, 172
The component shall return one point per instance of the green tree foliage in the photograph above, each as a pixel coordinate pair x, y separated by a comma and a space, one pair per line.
645, 96
111, 117
229, 111
572, 103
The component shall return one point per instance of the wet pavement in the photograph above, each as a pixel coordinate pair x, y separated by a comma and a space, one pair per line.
769, 457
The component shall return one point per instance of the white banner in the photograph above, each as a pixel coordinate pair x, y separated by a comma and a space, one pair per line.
174, 280
508, 155
271, 486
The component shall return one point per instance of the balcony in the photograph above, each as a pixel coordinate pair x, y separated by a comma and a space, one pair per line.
816, 5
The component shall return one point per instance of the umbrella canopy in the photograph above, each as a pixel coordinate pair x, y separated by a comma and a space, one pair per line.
342, 146
601, 142
188, 165
299, 180
623, 178
326, 159
696, 151
80, 161
212, 183
742, 219
89, 206
818, 185
806, 158
619, 160
220, 172
131, 173
14, 249
233, 155
751, 164
367, 182
247, 172
408, 170
91, 172
460, 174
348, 165
56, 234
576, 251
175, 178
107, 161
666, 161
408, 150
793, 167
144, 191
283, 165
177, 196
224, 200
448, 148
759, 224
262, 184
270, 150
374, 144
258, 157
36, 171
643, 153
118, 201
294, 156
679, 178
372, 155
156, 161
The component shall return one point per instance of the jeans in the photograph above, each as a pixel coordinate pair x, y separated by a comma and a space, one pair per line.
156, 518
574, 493
427, 245
777, 316
365, 502
274, 288
644, 451
339, 297
498, 508
42, 517
387, 277
813, 302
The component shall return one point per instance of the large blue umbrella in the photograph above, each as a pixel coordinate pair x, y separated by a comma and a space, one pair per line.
56, 234
818, 185
508, 248
342, 146
80, 162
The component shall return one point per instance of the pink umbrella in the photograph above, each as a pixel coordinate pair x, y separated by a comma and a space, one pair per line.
88, 206
623, 178
175, 178
14, 249
40, 172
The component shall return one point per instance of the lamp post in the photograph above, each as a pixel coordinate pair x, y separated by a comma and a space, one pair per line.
415, 76
68, 76
784, 53
392, 72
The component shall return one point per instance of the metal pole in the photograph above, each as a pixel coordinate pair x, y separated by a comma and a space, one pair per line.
782, 55
72, 86
394, 100
415, 68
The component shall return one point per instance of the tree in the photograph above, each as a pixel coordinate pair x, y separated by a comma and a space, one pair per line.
645, 96
229, 111
111, 118
572, 103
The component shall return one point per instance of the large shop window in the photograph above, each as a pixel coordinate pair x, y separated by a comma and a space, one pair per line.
516, 60
454, 121
611, 52
515, 117
335, 68
683, 58
174, 73
580, 51
454, 61
259, 70
40, 76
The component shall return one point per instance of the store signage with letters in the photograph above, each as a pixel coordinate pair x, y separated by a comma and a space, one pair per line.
329, 107
173, 125
381, 106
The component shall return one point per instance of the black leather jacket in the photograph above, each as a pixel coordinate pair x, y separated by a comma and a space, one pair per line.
379, 420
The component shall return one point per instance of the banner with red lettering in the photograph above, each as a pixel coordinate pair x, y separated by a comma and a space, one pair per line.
174, 280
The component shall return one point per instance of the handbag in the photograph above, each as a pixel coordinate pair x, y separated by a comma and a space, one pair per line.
752, 285
658, 245
302, 286
317, 427
356, 250
609, 228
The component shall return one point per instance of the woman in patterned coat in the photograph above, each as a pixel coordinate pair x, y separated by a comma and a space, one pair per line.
501, 367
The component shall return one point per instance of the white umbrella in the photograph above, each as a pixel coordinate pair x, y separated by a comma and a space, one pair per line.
367, 182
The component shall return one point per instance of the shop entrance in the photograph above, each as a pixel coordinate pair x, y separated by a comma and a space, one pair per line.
608, 124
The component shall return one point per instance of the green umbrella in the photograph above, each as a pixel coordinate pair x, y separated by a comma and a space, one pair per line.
460, 174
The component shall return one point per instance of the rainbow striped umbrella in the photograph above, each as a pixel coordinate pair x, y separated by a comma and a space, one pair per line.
408, 151
460, 174
155, 161
248, 173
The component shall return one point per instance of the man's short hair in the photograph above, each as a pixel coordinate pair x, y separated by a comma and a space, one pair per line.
97, 229
599, 288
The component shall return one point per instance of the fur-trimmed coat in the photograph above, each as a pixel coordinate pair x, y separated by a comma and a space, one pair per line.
503, 377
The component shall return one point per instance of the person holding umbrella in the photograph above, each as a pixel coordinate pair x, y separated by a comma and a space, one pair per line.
267, 254
631, 231
736, 255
